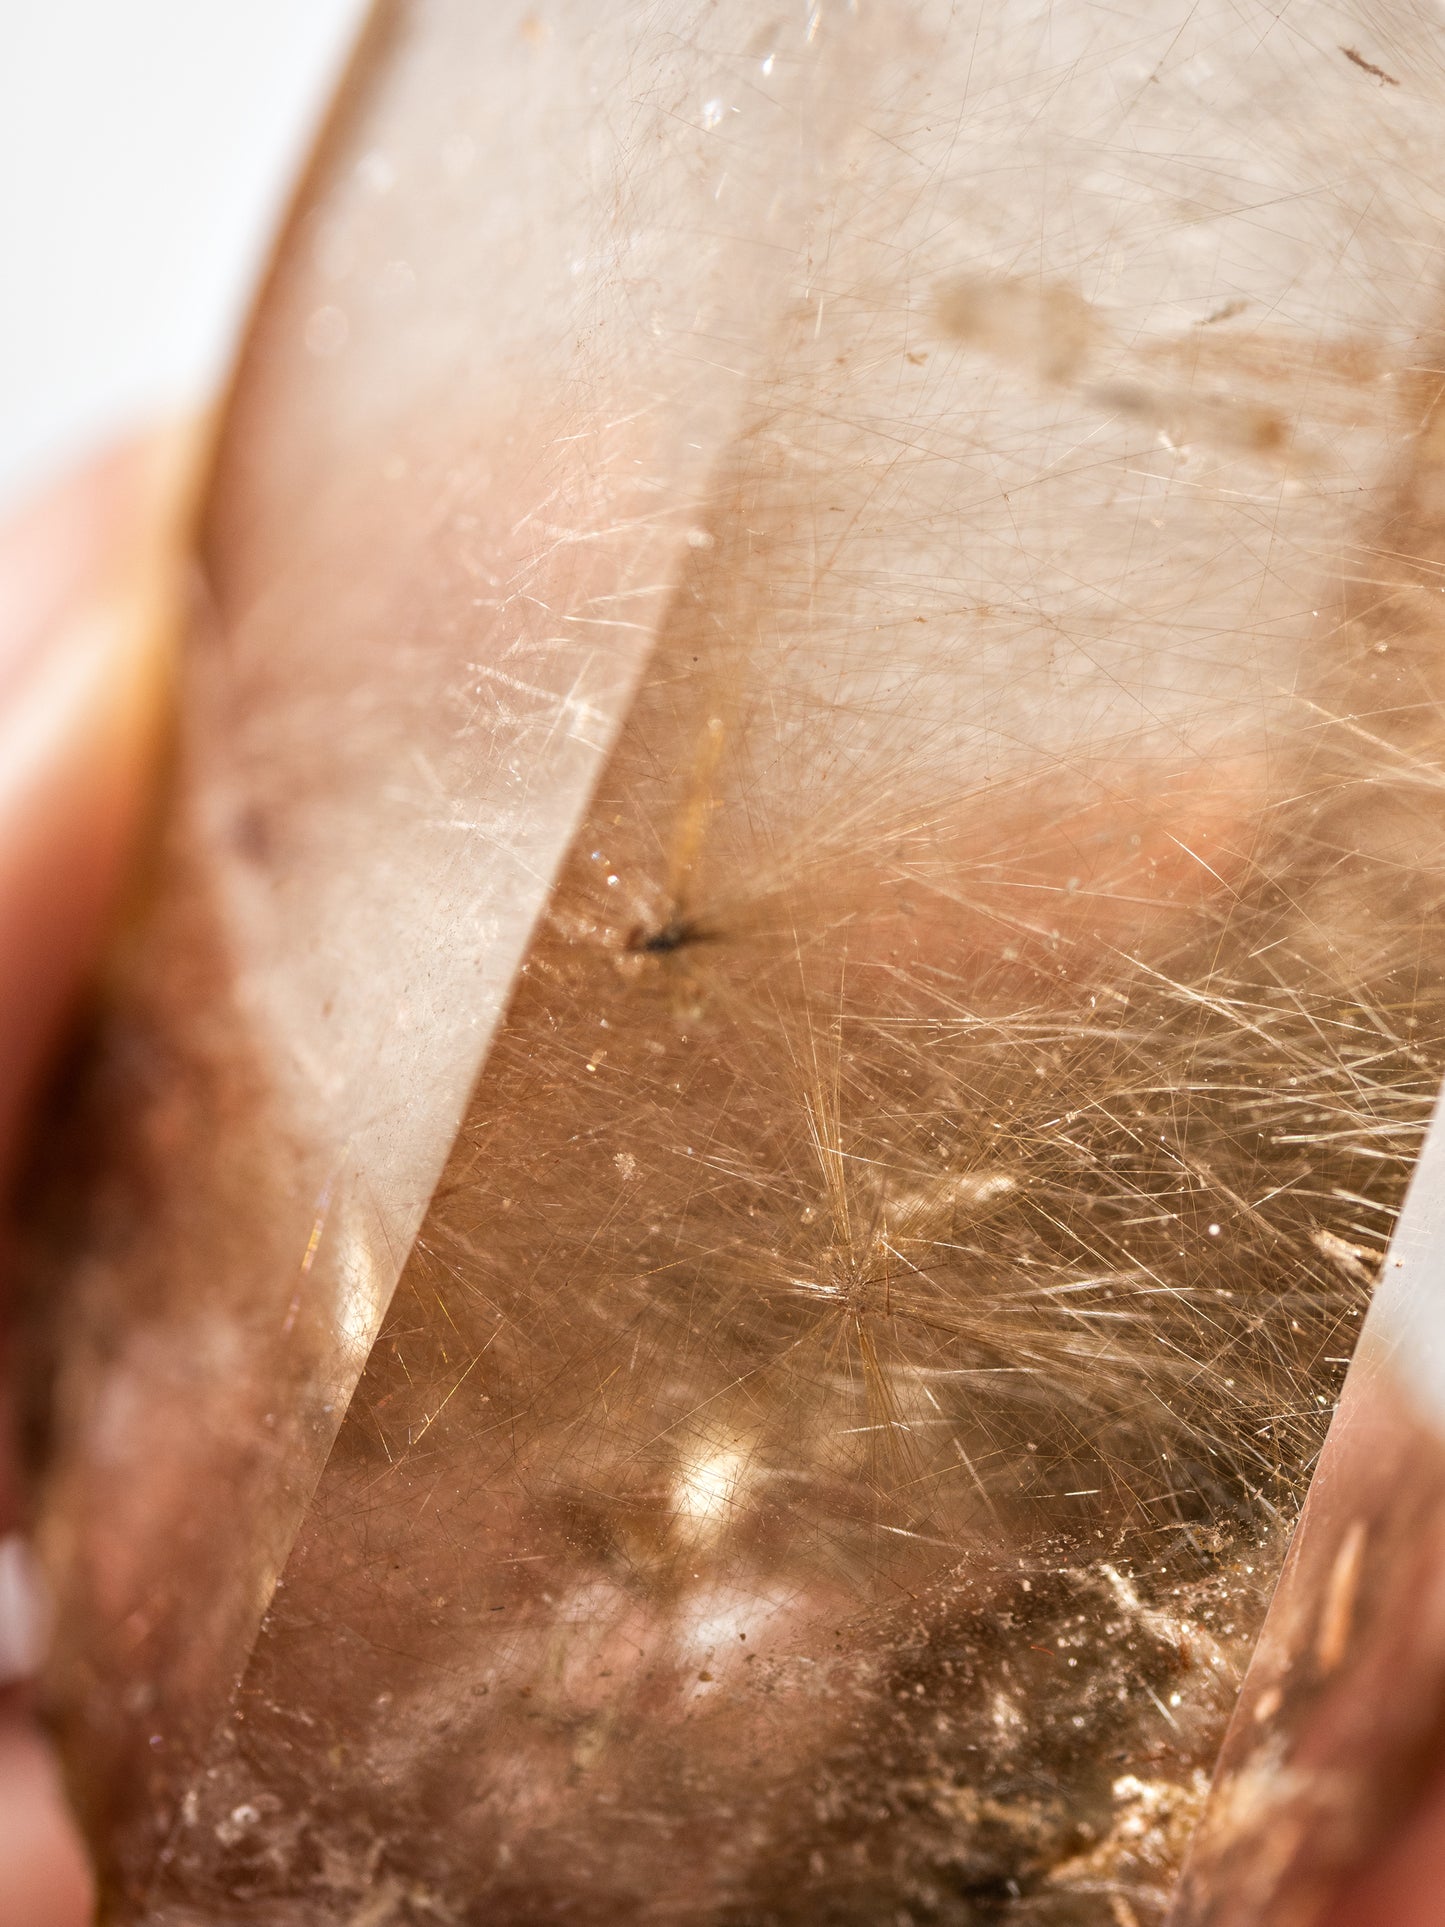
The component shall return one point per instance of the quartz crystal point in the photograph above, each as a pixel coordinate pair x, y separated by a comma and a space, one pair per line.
794, 980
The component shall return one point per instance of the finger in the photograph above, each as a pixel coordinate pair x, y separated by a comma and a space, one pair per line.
89, 586
89, 582
44, 1881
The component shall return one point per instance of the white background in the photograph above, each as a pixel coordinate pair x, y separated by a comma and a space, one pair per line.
147, 148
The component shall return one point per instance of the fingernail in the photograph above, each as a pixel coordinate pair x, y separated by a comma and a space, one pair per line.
91, 542
24, 1612
90, 582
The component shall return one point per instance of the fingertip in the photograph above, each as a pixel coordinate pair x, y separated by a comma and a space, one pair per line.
45, 1880
91, 577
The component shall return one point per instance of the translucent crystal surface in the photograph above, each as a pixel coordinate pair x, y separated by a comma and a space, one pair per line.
909, 543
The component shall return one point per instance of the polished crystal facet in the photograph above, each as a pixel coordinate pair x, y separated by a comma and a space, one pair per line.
794, 985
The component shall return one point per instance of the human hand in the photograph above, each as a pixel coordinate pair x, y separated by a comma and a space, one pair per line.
87, 580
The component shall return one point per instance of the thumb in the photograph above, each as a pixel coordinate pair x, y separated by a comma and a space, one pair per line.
90, 581
89, 586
